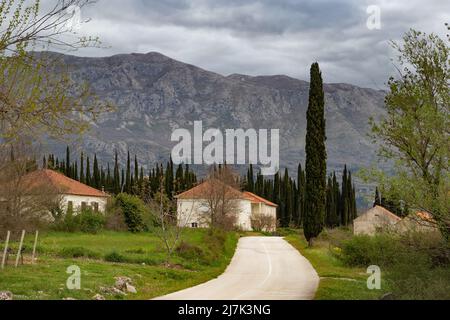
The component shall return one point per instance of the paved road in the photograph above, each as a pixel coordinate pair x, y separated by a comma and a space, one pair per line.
263, 268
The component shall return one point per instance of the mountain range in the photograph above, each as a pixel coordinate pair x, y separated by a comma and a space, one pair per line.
154, 95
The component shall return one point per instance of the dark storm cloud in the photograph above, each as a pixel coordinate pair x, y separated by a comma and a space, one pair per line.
267, 36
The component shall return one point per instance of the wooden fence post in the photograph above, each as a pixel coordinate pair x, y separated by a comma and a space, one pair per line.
5, 251
34, 246
19, 252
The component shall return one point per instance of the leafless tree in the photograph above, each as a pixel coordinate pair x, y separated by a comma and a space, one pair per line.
166, 224
23, 24
221, 198
264, 222
25, 202
37, 94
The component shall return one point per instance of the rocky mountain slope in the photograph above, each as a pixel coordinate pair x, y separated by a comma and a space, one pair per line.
155, 94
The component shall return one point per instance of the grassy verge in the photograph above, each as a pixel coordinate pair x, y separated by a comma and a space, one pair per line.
140, 256
337, 281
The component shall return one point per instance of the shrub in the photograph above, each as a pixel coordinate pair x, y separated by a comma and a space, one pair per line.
77, 252
86, 221
114, 256
115, 220
90, 221
189, 251
134, 212
381, 250
415, 265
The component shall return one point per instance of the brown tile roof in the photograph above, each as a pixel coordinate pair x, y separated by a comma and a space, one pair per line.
257, 199
61, 183
388, 213
201, 191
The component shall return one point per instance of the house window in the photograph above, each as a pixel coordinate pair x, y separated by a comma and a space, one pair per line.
70, 206
195, 225
95, 206
83, 206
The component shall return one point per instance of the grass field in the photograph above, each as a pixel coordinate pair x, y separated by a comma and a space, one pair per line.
140, 257
337, 281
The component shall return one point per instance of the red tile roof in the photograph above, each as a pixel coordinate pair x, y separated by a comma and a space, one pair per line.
61, 183
257, 199
201, 191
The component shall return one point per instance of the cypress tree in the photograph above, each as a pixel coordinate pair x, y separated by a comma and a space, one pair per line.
88, 172
82, 176
109, 183
122, 182
136, 171
67, 169
344, 199
337, 200
301, 194
250, 179
116, 174
377, 198
75, 171
316, 156
128, 175
96, 174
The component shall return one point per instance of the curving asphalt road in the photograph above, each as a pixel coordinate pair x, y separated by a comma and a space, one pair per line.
263, 268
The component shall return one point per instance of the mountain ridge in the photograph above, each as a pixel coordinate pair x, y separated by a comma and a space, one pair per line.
155, 94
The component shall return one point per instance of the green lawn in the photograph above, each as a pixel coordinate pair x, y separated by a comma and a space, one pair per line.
337, 281
143, 261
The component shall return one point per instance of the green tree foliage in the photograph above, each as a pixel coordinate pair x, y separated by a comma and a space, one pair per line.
316, 156
415, 131
34, 99
133, 210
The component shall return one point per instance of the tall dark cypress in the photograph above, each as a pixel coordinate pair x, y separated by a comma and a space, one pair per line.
337, 199
82, 176
250, 180
116, 178
96, 174
316, 157
377, 198
301, 194
128, 175
88, 172
109, 183
136, 172
344, 199
67, 170
75, 171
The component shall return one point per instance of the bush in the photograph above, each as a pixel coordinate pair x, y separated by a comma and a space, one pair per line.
77, 252
415, 265
190, 252
86, 221
115, 220
91, 222
134, 212
363, 251
114, 256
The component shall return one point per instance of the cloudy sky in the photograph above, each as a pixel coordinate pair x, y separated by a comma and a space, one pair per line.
267, 36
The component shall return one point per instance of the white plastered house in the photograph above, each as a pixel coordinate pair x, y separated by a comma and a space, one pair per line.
73, 194
192, 208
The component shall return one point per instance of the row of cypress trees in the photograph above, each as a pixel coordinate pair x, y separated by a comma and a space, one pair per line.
132, 179
289, 194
